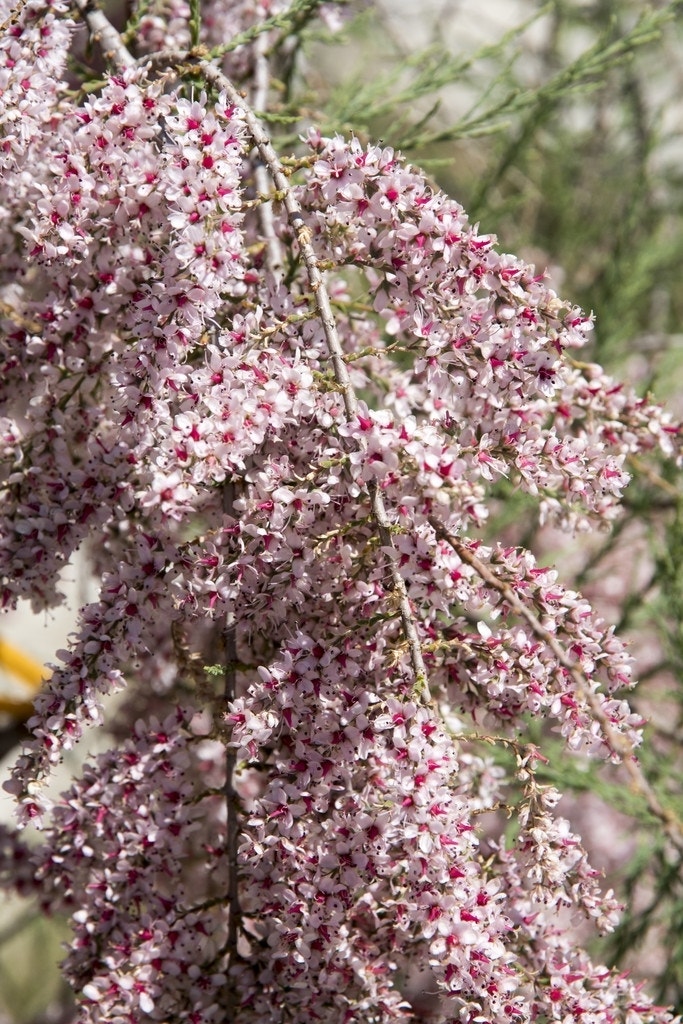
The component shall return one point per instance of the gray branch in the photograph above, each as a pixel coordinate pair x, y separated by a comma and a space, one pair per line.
105, 35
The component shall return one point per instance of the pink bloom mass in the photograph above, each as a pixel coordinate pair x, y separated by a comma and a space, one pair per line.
271, 394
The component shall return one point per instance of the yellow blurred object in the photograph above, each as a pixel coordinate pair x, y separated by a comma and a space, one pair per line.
28, 672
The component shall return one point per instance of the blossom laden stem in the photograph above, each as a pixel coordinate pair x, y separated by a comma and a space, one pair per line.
335, 350
618, 743
230, 492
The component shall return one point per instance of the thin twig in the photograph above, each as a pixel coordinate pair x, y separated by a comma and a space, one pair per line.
335, 349
619, 744
229, 496
653, 477
230, 492
274, 166
103, 32
275, 258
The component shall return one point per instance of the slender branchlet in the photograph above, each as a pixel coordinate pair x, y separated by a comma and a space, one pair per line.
274, 254
336, 353
617, 743
103, 32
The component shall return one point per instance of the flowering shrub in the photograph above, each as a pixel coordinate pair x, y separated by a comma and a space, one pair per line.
273, 397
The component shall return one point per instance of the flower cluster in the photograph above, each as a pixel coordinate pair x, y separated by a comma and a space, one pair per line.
290, 848
122, 857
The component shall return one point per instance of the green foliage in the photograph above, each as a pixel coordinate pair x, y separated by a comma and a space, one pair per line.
290, 23
195, 22
567, 155
503, 100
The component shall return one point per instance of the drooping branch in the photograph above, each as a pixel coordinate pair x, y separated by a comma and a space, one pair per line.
618, 743
102, 30
355, 809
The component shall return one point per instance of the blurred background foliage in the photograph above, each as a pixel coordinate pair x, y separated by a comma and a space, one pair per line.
559, 127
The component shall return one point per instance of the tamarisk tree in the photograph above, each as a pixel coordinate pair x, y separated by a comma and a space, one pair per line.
271, 394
